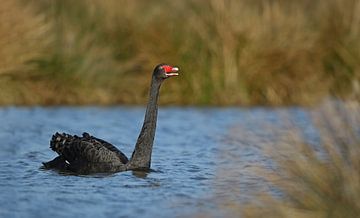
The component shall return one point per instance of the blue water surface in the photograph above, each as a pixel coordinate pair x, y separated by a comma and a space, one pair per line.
201, 159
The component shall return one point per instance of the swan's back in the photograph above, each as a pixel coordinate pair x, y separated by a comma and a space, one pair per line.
87, 137
86, 154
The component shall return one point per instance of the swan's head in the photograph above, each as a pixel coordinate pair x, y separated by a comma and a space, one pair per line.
164, 71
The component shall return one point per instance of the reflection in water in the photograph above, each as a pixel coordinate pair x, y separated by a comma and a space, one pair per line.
201, 157
140, 174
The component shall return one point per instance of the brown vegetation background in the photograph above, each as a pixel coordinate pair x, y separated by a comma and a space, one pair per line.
230, 52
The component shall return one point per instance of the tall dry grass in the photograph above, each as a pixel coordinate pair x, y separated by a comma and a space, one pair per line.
320, 180
22, 35
230, 52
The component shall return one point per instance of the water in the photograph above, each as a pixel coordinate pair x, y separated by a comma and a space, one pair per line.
202, 157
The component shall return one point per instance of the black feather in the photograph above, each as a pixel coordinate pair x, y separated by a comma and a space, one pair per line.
85, 154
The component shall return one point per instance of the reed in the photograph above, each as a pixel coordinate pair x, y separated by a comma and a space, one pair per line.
230, 52
316, 180
21, 29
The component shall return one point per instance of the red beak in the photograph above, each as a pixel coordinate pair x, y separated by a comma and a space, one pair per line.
171, 71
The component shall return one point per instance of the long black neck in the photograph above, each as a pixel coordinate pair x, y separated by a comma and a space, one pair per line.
141, 157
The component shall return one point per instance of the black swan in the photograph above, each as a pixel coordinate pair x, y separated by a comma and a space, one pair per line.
88, 154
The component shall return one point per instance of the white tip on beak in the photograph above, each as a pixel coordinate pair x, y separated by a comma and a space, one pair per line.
175, 69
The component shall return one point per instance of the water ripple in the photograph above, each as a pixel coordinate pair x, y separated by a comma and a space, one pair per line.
199, 154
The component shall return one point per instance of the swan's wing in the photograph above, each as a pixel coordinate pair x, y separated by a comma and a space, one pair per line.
82, 150
107, 145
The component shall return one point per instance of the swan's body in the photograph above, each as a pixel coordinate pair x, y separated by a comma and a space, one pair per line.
88, 154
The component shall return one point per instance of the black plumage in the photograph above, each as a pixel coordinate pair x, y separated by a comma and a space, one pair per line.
88, 154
